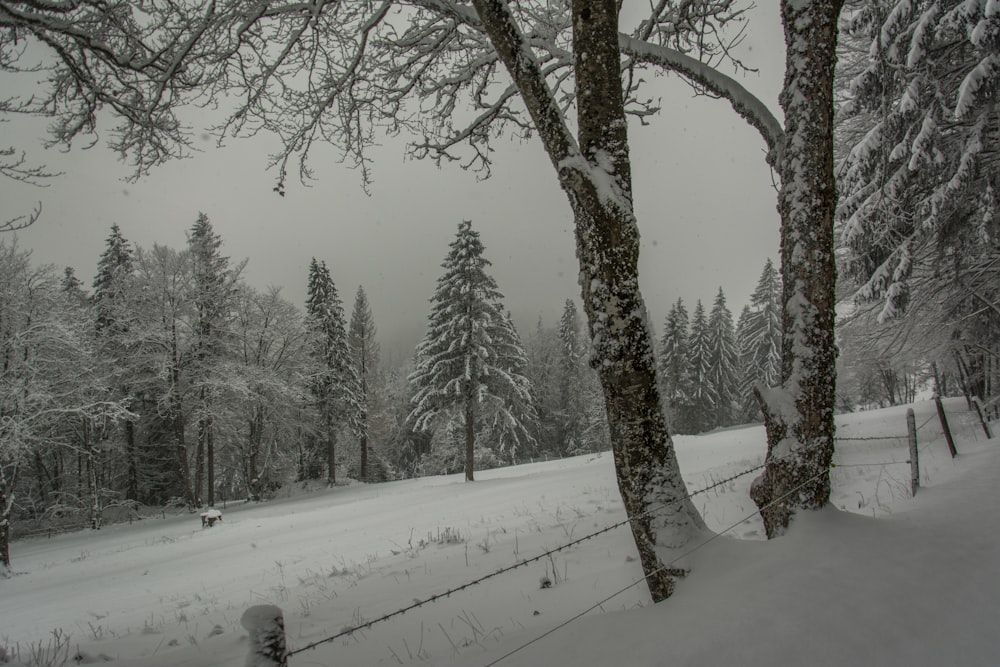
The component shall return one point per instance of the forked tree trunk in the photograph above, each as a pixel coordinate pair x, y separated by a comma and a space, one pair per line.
799, 415
597, 180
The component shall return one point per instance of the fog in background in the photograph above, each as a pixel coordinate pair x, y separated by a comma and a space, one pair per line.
704, 198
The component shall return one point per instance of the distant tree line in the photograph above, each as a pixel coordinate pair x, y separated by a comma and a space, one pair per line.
709, 366
174, 382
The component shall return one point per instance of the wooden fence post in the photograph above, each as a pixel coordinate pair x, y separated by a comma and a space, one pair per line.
911, 429
944, 425
266, 625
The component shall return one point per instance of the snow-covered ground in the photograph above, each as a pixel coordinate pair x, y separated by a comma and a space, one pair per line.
895, 580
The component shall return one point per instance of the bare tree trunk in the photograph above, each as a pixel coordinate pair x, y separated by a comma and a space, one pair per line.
177, 422
90, 446
470, 436
799, 415
8, 476
331, 449
597, 180
210, 460
132, 474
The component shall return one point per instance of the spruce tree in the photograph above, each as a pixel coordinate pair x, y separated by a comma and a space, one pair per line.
573, 414
700, 409
675, 368
364, 356
724, 359
114, 270
333, 379
114, 322
470, 364
759, 340
214, 294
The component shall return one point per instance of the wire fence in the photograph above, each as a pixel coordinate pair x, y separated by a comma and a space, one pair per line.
522, 563
668, 567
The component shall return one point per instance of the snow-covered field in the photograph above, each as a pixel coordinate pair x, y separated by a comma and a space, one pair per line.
895, 580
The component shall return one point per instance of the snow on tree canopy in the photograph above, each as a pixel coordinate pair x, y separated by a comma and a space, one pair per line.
470, 364
930, 86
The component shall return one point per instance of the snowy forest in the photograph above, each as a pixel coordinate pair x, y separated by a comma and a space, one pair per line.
167, 380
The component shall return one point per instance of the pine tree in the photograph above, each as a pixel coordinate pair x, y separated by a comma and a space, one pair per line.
573, 414
470, 364
214, 294
364, 355
700, 409
334, 380
72, 286
114, 269
114, 322
759, 340
724, 360
675, 370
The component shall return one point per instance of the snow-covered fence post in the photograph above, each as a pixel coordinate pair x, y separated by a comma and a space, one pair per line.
911, 428
266, 625
944, 425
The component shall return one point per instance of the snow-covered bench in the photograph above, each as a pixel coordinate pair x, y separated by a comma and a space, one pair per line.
209, 518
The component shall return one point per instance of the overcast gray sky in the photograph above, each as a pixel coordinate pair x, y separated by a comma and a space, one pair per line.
703, 195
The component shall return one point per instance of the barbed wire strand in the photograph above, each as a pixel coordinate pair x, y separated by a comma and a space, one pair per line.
664, 568
872, 437
865, 465
434, 598
926, 421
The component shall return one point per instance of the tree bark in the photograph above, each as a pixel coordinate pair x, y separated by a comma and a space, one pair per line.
331, 449
132, 474
470, 436
597, 180
799, 415
7, 481
210, 460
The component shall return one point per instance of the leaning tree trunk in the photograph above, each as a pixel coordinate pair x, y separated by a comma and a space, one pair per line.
596, 176
8, 476
799, 414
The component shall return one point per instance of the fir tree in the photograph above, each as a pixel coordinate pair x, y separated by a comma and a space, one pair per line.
724, 360
470, 364
700, 408
573, 414
920, 170
675, 369
364, 355
759, 340
334, 380
214, 293
72, 286
114, 270
114, 322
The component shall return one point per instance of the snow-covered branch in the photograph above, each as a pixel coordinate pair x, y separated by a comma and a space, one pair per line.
751, 108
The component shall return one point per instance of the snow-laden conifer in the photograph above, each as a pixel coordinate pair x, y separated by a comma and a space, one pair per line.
214, 293
700, 412
759, 341
470, 364
115, 269
921, 140
365, 358
333, 378
675, 367
723, 360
